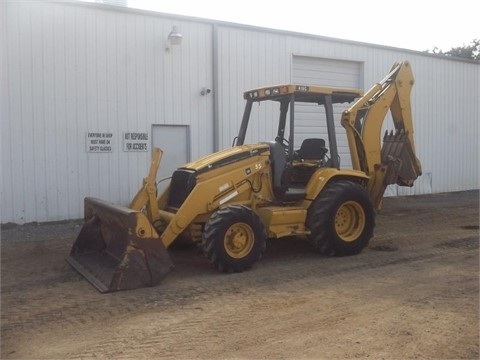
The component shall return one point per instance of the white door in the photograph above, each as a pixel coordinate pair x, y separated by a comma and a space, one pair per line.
310, 118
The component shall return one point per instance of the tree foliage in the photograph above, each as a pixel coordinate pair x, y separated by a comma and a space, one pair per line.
471, 51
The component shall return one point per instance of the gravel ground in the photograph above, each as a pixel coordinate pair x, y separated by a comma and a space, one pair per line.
412, 294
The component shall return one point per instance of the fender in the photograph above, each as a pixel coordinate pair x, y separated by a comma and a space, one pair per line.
323, 176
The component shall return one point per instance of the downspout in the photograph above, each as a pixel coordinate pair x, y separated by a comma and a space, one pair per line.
216, 110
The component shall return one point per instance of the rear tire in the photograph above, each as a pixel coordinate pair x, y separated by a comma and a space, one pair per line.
234, 239
341, 219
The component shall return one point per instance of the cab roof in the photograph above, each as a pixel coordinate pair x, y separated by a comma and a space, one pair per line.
303, 93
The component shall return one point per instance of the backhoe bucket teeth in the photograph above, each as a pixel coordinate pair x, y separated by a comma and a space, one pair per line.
399, 155
118, 248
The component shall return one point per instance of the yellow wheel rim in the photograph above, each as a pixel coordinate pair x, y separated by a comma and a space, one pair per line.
238, 240
350, 221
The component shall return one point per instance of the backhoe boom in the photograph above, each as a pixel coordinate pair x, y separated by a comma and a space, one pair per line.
395, 161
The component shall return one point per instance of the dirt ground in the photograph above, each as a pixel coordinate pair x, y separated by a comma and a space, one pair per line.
413, 293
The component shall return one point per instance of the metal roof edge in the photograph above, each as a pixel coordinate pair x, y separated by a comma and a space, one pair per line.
213, 22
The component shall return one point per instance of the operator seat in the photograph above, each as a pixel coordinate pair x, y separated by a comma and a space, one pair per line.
307, 159
312, 149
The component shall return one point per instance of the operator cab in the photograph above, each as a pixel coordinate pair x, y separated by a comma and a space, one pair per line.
293, 166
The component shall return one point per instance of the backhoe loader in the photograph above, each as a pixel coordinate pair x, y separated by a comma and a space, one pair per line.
231, 201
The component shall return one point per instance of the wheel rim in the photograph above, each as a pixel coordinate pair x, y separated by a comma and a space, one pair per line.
238, 240
350, 221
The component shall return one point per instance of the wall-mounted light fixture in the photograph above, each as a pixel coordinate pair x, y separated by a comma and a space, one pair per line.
174, 38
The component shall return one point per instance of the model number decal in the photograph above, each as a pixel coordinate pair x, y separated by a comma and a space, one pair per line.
256, 167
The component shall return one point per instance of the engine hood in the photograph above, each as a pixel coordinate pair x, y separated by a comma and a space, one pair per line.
225, 157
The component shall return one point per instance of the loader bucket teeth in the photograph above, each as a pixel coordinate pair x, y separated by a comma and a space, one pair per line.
118, 249
398, 153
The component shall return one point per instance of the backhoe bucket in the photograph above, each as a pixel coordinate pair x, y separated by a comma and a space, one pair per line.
118, 248
398, 153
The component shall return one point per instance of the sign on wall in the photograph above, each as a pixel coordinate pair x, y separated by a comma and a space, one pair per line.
99, 142
135, 141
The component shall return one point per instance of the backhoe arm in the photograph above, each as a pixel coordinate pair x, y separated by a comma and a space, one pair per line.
395, 161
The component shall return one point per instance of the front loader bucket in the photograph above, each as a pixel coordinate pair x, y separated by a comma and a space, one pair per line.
398, 153
118, 248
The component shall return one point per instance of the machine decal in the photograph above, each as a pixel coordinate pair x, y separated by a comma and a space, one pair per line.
223, 187
228, 197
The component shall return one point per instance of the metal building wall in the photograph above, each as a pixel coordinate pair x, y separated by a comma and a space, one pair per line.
78, 68
72, 68
247, 59
444, 99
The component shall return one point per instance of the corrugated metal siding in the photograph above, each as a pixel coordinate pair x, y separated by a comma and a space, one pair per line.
248, 59
72, 68
447, 109
444, 99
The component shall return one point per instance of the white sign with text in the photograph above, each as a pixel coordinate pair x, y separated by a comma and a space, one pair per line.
99, 142
135, 141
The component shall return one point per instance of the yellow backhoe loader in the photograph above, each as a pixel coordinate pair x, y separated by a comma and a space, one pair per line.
231, 201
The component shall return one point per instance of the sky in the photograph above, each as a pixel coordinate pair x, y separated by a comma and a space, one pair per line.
410, 24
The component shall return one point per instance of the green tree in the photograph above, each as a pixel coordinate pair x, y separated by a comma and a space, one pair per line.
471, 51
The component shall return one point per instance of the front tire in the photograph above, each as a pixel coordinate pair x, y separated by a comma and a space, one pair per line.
341, 219
234, 239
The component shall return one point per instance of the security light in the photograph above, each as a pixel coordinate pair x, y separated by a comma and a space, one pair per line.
174, 38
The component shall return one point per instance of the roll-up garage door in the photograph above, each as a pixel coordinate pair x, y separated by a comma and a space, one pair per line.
309, 118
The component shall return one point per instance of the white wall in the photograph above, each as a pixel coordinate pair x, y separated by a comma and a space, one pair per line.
445, 97
72, 68
80, 68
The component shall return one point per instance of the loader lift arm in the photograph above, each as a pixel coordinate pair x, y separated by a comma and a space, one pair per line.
146, 196
395, 161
